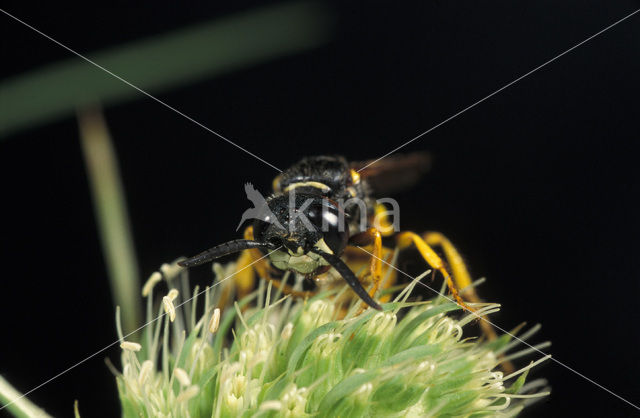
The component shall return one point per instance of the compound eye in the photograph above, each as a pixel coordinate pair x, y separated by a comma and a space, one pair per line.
330, 221
336, 240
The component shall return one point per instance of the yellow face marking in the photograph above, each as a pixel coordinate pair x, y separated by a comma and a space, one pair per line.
315, 184
323, 246
299, 261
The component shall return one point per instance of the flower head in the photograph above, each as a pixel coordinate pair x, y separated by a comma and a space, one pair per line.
301, 358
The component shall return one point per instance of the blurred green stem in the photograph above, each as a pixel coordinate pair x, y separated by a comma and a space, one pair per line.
111, 214
161, 62
17, 403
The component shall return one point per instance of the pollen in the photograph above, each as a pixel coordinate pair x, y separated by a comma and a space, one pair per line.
170, 271
215, 321
145, 371
169, 308
271, 406
151, 282
182, 376
188, 393
130, 346
173, 294
287, 331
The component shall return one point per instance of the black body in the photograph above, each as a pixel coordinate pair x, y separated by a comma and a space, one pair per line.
332, 170
318, 187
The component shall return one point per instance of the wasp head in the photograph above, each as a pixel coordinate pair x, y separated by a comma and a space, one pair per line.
301, 232
301, 224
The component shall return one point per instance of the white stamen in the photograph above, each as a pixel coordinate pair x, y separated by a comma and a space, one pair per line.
173, 294
151, 282
531, 365
145, 371
130, 346
188, 393
271, 406
215, 321
287, 331
182, 376
169, 308
170, 271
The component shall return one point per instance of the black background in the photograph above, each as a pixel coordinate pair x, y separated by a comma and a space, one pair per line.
537, 185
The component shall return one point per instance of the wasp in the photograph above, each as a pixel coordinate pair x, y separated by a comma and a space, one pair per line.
306, 227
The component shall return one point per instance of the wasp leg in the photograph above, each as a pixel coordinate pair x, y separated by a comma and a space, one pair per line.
459, 270
463, 280
406, 239
372, 237
461, 275
381, 219
246, 279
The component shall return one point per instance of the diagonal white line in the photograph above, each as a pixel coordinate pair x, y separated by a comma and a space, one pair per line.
500, 89
506, 332
131, 333
140, 90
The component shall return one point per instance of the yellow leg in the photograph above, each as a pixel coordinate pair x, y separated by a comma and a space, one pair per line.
461, 275
245, 279
372, 237
406, 239
381, 216
359, 260
462, 279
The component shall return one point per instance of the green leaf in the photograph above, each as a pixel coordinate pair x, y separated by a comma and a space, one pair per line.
455, 401
413, 354
346, 388
162, 62
305, 344
517, 385
499, 343
405, 330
